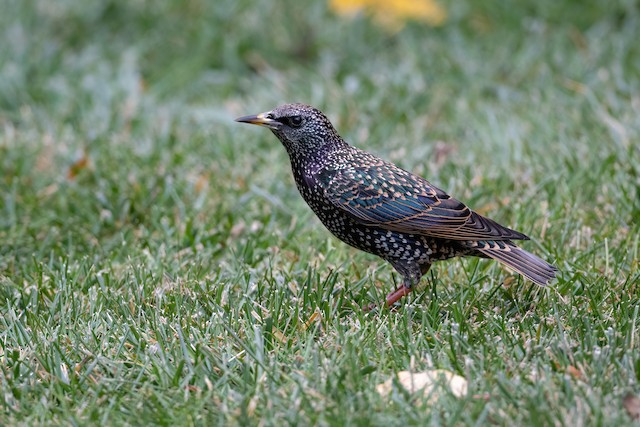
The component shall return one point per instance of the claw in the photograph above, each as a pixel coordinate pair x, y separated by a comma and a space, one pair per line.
369, 307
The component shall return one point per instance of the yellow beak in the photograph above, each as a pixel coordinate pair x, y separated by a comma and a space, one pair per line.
261, 119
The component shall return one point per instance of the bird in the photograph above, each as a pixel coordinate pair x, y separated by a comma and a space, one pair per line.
380, 208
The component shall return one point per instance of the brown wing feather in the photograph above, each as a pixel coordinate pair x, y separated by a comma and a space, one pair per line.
381, 194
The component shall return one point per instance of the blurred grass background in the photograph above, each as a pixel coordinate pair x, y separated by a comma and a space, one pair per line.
158, 266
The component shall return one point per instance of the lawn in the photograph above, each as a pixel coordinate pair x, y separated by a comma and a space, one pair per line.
157, 265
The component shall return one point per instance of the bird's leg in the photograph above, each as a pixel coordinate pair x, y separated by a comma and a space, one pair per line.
396, 295
392, 298
410, 278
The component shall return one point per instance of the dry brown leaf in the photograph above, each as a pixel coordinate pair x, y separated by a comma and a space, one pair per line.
78, 166
426, 383
315, 316
202, 182
280, 336
631, 403
575, 372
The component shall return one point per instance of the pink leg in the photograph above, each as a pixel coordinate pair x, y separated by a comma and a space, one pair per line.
391, 299
409, 278
396, 295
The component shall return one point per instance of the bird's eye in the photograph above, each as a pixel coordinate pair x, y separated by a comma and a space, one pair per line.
295, 121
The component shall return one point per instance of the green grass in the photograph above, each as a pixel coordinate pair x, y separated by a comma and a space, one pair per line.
179, 278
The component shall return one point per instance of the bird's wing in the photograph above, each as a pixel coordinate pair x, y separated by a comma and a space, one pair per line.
389, 197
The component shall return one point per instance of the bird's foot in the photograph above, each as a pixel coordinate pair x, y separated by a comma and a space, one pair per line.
392, 298
369, 307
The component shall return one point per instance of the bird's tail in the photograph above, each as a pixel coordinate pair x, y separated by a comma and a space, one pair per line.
506, 252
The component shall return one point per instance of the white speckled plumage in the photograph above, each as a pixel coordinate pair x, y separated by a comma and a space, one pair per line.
377, 207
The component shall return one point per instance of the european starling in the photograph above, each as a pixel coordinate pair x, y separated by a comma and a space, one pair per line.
375, 206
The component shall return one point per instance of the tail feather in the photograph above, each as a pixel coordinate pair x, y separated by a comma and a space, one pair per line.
533, 268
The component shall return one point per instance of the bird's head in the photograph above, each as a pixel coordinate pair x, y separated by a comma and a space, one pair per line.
303, 130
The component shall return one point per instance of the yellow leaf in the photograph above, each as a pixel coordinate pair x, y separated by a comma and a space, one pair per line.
347, 7
393, 14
